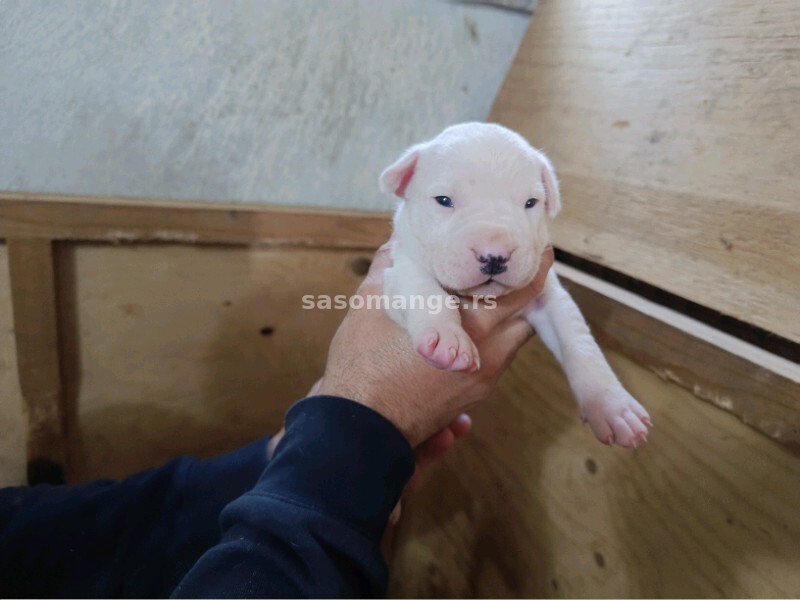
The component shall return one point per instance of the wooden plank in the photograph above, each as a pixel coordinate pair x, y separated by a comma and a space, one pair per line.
32, 284
12, 418
191, 349
179, 345
127, 220
530, 505
760, 388
673, 127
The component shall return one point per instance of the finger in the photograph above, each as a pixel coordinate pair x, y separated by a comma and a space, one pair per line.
314, 388
273, 443
499, 349
380, 262
397, 511
548, 258
461, 425
433, 447
426, 453
440, 442
514, 302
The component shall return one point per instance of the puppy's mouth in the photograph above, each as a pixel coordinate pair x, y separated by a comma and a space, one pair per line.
490, 287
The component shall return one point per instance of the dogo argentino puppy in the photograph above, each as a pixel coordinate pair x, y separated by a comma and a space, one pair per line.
477, 201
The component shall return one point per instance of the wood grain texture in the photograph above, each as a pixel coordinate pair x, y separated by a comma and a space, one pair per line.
761, 389
191, 349
674, 129
12, 419
56, 217
531, 505
33, 293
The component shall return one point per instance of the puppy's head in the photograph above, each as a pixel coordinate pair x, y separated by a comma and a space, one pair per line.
476, 204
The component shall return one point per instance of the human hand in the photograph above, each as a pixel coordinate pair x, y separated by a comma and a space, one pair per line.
373, 362
427, 452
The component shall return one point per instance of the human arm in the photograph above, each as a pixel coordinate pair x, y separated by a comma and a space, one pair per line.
312, 524
132, 538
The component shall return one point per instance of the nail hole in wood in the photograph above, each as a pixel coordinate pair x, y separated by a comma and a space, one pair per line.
598, 558
360, 266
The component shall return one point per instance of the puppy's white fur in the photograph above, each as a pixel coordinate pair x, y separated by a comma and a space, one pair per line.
489, 243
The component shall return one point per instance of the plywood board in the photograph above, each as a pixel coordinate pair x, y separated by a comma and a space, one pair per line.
176, 349
760, 388
674, 129
531, 505
12, 420
105, 219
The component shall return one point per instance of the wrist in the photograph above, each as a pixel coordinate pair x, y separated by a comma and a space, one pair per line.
392, 411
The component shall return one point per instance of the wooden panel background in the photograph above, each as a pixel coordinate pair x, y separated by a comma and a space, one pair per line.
169, 348
530, 505
674, 129
211, 342
12, 419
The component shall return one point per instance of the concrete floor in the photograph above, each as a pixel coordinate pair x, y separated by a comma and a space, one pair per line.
299, 103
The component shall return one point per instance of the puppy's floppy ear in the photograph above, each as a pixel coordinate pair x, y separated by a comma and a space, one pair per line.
552, 200
396, 177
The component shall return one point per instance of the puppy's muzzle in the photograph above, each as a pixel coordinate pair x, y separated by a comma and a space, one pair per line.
493, 265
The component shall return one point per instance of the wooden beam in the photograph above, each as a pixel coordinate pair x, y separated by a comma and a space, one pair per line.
762, 389
132, 220
33, 295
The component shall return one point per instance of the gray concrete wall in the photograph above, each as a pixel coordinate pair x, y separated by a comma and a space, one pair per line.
273, 101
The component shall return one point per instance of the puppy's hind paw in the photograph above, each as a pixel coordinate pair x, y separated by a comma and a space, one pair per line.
617, 418
448, 347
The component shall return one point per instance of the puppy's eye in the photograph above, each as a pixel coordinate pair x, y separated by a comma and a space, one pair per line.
531, 202
444, 201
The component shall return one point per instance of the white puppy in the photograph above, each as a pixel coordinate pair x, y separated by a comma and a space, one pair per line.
478, 199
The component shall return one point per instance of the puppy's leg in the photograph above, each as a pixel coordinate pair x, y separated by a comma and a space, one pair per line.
434, 327
613, 414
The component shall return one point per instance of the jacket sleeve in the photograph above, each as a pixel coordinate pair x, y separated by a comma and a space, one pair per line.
131, 538
311, 526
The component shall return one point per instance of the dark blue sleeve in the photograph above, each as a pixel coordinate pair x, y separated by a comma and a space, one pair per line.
311, 526
134, 538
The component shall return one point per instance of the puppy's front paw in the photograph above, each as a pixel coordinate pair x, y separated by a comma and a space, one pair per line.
448, 347
616, 417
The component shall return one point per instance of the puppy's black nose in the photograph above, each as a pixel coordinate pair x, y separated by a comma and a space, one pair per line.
493, 265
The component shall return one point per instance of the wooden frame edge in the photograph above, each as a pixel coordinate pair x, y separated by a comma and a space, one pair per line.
761, 388
115, 220
34, 304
